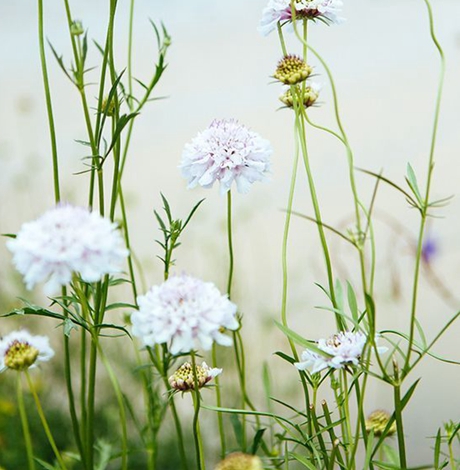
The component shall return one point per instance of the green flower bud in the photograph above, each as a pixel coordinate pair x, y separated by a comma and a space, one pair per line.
76, 28
309, 96
377, 421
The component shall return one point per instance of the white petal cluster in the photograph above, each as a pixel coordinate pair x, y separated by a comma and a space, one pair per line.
341, 349
20, 350
67, 240
185, 313
280, 10
226, 152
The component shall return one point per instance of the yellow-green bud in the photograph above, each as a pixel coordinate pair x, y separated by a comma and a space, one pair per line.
108, 108
76, 28
377, 421
183, 379
240, 461
292, 69
309, 96
20, 356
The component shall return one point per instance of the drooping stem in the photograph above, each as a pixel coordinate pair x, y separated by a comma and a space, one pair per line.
25, 424
45, 425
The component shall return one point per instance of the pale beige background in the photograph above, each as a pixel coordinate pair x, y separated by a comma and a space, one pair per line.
386, 70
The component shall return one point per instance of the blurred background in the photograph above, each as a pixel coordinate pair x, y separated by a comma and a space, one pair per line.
386, 70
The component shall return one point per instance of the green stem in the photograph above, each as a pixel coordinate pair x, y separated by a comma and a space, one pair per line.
196, 417
220, 417
25, 424
399, 427
91, 401
121, 406
230, 243
49, 106
347, 414
426, 201
44, 422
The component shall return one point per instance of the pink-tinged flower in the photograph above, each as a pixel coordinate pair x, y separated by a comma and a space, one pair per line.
183, 380
20, 350
185, 313
67, 240
280, 10
340, 350
226, 152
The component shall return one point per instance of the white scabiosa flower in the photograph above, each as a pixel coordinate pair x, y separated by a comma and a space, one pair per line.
185, 313
226, 152
341, 349
67, 240
183, 379
280, 10
20, 350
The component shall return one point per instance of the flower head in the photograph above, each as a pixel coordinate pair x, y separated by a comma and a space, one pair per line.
226, 152
20, 350
67, 240
309, 95
377, 421
341, 349
185, 312
280, 10
240, 461
292, 70
183, 379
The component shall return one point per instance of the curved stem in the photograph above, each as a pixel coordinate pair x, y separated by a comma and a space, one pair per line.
427, 191
25, 424
46, 427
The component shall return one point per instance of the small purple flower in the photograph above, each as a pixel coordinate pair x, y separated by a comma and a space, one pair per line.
430, 249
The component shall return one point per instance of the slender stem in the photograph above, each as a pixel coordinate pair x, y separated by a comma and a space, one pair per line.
399, 427
130, 53
121, 407
426, 200
347, 414
25, 424
91, 401
230, 243
220, 417
44, 421
49, 106
196, 417
300, 125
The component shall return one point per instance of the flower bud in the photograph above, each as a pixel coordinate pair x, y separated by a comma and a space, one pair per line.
20, 356
183, 379
309, 95
377, 421
240, 461
76, 28
292, 70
